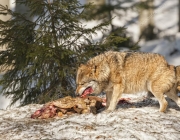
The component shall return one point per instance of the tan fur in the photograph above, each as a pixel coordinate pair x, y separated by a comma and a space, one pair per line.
128, 72
178, 77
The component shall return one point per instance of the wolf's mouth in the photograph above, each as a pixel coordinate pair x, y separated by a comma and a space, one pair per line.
87, 91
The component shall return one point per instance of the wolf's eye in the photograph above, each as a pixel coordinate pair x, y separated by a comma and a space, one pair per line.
82, 83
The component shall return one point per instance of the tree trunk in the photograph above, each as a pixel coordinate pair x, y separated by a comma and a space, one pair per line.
179, 16
146, 21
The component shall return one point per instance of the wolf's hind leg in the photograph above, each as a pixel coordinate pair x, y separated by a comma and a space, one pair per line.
117, 91
159, 94
161, 84
172, 94
162, 101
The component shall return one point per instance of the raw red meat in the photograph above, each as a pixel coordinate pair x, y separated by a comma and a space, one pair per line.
87, 91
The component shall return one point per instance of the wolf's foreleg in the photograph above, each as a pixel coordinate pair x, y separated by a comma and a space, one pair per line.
117, 91
108, 98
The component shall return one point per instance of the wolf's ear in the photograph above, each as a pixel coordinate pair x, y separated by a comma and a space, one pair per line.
80, 65
94, 68
102, 71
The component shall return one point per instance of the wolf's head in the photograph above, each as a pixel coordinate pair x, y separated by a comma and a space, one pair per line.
90, 78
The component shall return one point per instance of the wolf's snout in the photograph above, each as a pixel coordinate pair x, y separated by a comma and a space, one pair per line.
77, 92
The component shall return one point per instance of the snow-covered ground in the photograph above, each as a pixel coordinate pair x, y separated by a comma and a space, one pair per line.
3, 100
140, 120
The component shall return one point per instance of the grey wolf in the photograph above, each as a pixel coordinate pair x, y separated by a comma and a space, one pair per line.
127, 72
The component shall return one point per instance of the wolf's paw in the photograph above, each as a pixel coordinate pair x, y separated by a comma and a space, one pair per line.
178, 102
108, 111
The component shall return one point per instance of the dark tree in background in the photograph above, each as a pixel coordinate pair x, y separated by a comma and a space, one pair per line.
42, 54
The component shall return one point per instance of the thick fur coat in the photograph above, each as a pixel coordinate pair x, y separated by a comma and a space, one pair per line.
178, 77
128, 72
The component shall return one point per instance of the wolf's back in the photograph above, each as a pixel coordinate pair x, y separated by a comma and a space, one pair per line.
122, 59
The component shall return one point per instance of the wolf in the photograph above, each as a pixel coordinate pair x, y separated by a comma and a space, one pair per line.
178, 77
127, 72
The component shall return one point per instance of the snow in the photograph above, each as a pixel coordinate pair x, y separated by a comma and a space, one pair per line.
12, 4
139, 120
5, 101
166, 48
166, 16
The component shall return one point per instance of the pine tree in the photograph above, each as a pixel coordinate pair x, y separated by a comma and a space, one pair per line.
42, 55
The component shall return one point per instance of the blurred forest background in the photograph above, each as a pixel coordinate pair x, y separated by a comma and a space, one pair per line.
38, 63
